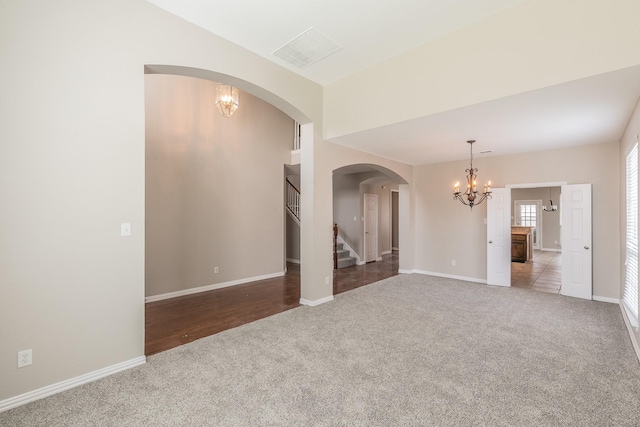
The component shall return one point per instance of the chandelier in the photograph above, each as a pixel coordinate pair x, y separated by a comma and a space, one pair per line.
470, 196
551, 207
227, 99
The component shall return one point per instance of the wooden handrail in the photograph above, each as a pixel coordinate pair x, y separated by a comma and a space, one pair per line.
294, 187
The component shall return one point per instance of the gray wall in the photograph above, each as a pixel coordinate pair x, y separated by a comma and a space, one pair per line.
550, 220
214, 186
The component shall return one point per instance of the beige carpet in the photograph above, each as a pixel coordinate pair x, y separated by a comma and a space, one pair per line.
407, 351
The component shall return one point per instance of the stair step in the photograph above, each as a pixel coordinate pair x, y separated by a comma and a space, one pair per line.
340, 246
346, 262
343, 253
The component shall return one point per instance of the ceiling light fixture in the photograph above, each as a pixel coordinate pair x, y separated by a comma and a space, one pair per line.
471, 193
227, 98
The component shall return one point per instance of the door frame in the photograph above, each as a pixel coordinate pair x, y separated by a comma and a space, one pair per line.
536, 185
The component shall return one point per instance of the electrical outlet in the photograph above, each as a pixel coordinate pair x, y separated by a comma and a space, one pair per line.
24, 358
326, 280
216, 270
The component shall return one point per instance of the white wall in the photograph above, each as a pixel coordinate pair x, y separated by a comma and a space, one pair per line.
72, 165
214, 186
446, 230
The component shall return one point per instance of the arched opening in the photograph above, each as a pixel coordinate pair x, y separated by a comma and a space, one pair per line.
364, 218
214, 203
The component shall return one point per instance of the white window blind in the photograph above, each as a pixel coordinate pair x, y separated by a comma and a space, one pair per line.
630, 296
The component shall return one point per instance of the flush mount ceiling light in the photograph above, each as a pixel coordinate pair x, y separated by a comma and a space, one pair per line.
471, 195
227, 99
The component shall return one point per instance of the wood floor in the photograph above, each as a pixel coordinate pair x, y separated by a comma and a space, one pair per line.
176, 321
543, 273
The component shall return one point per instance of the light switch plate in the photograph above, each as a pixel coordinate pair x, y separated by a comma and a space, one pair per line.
125, 229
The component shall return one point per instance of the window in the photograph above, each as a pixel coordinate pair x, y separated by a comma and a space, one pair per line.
527, 213
630, 296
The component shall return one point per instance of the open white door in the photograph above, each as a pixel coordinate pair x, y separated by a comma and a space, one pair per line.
499, 237
576, 240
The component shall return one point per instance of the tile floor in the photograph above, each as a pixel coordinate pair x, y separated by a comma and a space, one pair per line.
543, 273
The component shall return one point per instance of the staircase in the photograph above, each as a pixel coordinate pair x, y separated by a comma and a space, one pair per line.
344, 258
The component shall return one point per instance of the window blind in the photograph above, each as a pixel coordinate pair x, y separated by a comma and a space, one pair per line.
630, 295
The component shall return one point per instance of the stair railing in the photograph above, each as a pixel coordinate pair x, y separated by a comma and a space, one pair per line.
335, 246
293, 201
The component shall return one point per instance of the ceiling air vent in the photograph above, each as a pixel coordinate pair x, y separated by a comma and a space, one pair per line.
309, 47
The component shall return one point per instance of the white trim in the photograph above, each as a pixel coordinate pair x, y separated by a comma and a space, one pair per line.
378, 259
633, 320
385, 253
206, 288
605, 299
316, 302
550, 250
394, 248
49, 390
536, 185
293, 261
451, 276
631, 331
402, 271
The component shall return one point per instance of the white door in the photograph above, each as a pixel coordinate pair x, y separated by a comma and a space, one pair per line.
499, 237
370, 227
576, 240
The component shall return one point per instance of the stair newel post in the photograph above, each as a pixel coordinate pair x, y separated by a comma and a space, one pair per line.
335, 246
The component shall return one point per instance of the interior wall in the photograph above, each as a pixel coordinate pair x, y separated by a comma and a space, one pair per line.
214, 187
445, 230
550, 237
73, 170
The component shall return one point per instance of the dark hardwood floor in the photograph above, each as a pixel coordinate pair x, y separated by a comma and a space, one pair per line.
176, 321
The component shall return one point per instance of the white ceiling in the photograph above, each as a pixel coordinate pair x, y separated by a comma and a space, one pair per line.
587, 111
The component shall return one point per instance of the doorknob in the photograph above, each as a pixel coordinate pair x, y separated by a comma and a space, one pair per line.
586, 247
490, 241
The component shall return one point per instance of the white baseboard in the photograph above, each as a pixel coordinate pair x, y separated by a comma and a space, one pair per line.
360, 263
605, 299
631, 330
40, 393
378, 259
206, 288
385, 253
293, 261
316, 302
394, 248
451, 276
551, 250
401, 271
